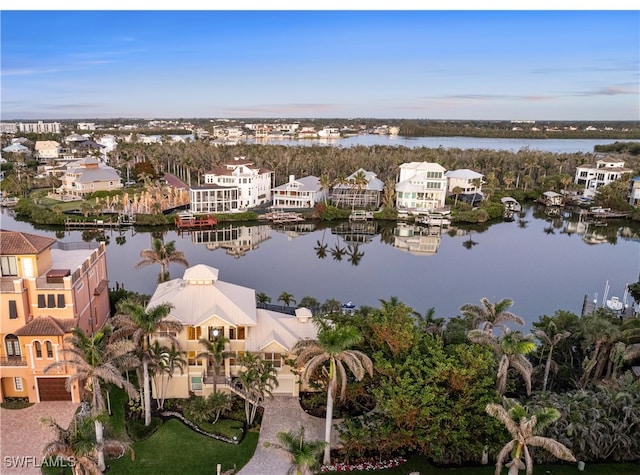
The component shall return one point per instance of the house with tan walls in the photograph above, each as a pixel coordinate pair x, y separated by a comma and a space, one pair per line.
210, 308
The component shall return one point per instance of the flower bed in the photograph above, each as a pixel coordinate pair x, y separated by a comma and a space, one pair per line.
363, 466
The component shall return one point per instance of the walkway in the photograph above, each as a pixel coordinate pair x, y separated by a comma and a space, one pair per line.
281, 414
23, 438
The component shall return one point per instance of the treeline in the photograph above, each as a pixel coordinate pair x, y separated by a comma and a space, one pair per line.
631, 148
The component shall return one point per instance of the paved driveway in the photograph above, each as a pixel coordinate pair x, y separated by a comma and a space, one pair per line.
281, 414
23, 437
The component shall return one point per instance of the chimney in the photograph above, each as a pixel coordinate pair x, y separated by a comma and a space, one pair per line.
292, 178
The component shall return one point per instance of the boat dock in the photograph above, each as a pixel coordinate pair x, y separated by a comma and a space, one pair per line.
121, 221
187, 221
280, 217
598, 213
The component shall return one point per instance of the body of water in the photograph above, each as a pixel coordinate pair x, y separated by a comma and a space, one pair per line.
542, 264
463, 143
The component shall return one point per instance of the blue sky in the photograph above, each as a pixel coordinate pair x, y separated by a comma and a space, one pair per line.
542, 65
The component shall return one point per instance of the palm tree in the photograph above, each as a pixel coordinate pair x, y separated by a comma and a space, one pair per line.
512, 349
304, 454
263, 298
333, 347
354, 253
337, 252
215, 353
550, 339
257, 380
325, 186
286, 298
140, 324
456, 191
163, 254
321, 246
359, 182
490, 315
524, 429
78, 445
165, 361
98, 362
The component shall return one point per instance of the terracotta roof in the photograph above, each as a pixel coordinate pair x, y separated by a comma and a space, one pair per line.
13, 243
47, 326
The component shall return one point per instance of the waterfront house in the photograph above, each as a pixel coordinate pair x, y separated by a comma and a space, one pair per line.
48, 288
366, 195
421, 186
210, 308
301, 193
47, 149
468, 184
634, 191
234, 186
88, 175
551, 198
604, 172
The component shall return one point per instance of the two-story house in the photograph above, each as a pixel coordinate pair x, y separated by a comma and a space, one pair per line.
48, 288
47, 149
605, 171
466, 184
210, 308
232, 187
352, 194
89, 175
301, 193
421, 186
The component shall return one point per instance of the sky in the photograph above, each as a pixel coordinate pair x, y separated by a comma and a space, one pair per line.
283, 63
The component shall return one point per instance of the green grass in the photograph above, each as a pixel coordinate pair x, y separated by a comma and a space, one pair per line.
175, 448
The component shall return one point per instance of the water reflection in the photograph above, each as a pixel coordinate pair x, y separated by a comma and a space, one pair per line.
417, 240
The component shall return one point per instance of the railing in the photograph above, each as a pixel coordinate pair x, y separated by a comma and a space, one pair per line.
12, 362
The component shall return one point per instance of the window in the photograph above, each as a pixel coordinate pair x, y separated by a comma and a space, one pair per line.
38, 347
274, 358
195, 333
51, 301
196, 383
9, 265
49, 349
191, 358
41, 301
13, 309
61, 302
17, 384
13, 346
237, 333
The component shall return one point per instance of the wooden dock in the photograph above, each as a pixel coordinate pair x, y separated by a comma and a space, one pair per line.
281, 217
187, 221
98, 223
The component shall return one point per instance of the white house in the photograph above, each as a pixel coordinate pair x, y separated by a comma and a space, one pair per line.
421, 186
604, 172
634, 191
350, 194
47, 149
87, 176
468, 184
234, 186
210, 308
301, 193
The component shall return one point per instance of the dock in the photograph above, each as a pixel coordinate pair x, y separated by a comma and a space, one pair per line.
187, 221
281, 217
598, 213
99, 223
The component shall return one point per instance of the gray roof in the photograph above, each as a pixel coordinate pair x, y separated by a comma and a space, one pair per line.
463, 173
307, 183
90, 173
373, 182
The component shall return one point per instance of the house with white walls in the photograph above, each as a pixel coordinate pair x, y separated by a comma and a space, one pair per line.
604, 172
299, 193
421, 186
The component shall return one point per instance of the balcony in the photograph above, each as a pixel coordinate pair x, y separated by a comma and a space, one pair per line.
13, 361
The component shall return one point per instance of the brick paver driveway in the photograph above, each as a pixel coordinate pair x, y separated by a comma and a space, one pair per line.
23, 437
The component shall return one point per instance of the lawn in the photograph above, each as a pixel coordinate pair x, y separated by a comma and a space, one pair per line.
174, 448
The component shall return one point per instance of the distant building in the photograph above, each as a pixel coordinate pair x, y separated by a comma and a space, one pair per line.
47, 149
301, 193
8, 128
86, 126
605, 171
39, 127
421, 186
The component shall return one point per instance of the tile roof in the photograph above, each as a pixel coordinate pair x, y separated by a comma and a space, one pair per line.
48, 326
13, 243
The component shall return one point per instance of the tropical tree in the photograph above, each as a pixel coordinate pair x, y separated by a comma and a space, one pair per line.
511, 349
456, 191
215, 353
305, 455
257, 379
135, 322
355, 254
550, 339
332, 347
263, 298
325, 186
97, 362
525, 429
165, 362
490, 315
359, 182
78, 445
163, 254
286, 298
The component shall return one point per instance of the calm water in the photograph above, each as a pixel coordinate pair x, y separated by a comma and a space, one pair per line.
463, 143
542, 265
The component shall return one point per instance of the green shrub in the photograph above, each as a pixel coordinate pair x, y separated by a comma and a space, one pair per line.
138, 431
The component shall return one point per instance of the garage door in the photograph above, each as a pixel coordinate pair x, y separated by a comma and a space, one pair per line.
52, 389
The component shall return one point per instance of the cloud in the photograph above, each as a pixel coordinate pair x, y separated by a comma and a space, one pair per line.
282, 109
28, 72
608, 91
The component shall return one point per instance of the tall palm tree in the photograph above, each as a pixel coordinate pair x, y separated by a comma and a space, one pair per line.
78, 445
263, 298
354, 253
139, 324
215, 353
550, 339
304, 454
257, 380
512, 349
359, 182
333, 347
98, 362
163, 254
286, 298
490, 315
165, 361
325, 186
524, 428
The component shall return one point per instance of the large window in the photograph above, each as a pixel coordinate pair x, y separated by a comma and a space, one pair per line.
9, 265
13, 309
17, 384
49, 349
196, 383
38, 348
274, 358
13, 346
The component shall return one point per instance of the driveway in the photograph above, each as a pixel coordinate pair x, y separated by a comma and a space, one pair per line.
281, 414
23, 437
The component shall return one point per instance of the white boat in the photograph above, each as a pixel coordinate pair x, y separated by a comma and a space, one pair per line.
329, 133
510, 204
435, 219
